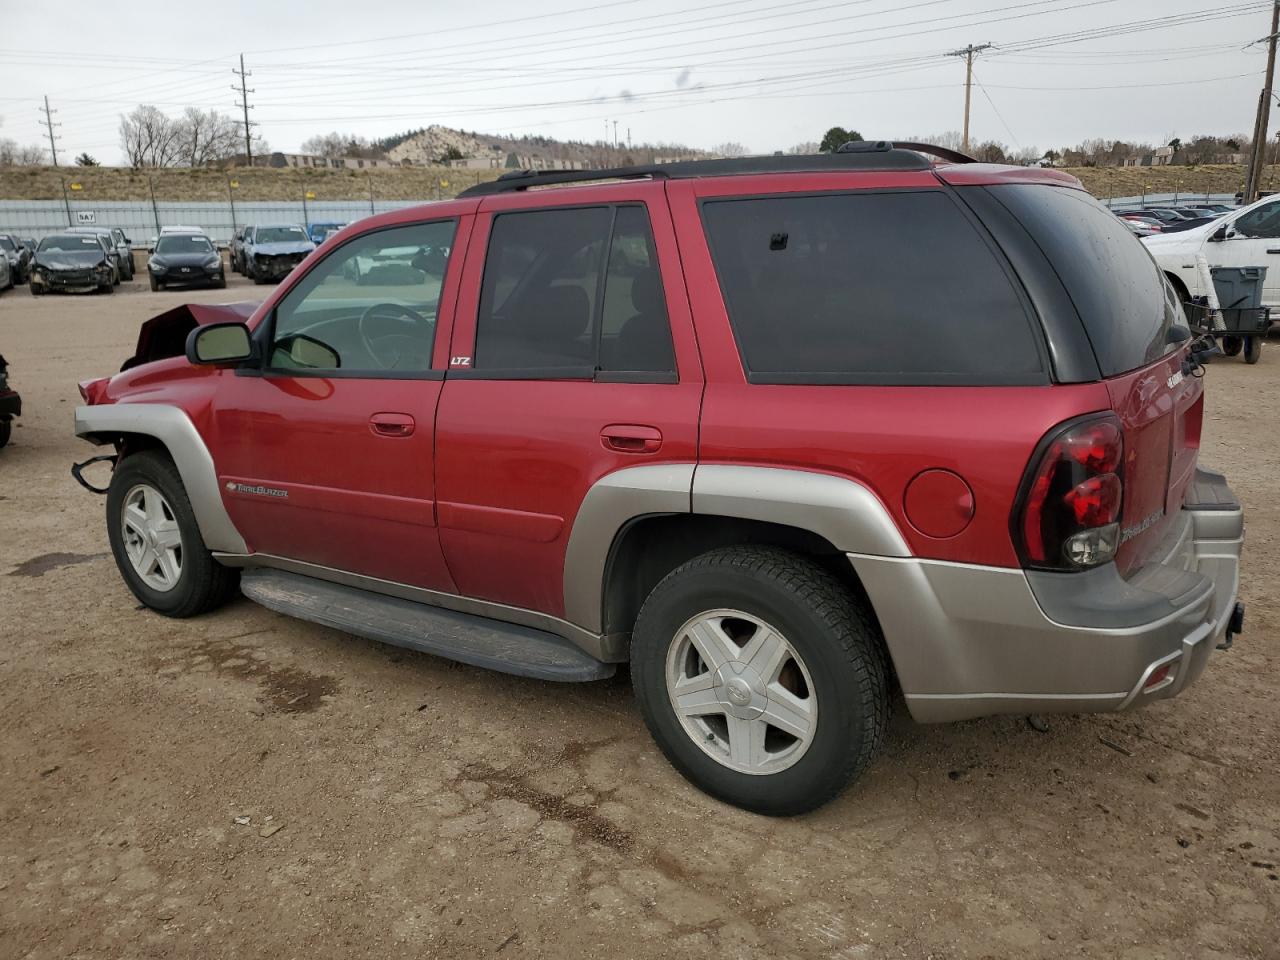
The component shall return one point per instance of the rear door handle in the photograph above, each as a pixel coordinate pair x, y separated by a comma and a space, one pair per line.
631, 438
392, 425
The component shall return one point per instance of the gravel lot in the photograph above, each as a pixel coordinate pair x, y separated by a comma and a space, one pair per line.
427, 809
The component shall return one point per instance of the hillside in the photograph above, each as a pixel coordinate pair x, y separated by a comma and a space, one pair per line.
1104, 182
432, 143
423, 183
256, 183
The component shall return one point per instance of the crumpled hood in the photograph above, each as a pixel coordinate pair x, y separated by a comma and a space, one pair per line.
165, 335
70, 259
283, 247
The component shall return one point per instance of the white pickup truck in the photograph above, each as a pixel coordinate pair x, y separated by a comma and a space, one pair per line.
1248, 237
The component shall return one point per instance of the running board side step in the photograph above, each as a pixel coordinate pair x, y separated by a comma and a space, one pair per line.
465, 637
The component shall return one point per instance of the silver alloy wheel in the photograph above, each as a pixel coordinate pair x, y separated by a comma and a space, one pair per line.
741, 692
152, 540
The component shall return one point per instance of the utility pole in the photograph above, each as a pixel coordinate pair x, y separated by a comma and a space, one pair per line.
48, 124
1258, 156
615, 133
628, 138
969, 53
244, 92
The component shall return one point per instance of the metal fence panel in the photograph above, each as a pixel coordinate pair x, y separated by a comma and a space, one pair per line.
140, 220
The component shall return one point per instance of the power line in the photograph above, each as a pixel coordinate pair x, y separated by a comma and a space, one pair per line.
48, 123
244, 75
968, 53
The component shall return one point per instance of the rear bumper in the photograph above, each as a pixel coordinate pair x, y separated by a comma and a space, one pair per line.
969, 641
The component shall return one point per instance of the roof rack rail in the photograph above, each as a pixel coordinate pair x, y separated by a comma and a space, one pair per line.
942, 153
860, 155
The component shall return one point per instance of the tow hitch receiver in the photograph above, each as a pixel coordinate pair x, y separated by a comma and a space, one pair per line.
77, 470
1234, 626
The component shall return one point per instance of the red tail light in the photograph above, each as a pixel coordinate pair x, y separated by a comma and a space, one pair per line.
1068, 513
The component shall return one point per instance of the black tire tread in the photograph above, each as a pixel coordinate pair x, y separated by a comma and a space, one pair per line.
212, 583
853, 627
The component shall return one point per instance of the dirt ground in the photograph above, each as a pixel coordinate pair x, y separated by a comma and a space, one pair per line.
426, 809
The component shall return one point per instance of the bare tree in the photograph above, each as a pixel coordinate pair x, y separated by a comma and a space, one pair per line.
14, 154
205, 137
799, 149
338, 145
730, 149
149, 138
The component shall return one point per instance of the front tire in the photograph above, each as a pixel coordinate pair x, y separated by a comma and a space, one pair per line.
156, 541
762, 678
1252, 349
6, 430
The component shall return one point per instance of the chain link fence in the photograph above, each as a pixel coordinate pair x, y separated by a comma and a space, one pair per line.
142, 219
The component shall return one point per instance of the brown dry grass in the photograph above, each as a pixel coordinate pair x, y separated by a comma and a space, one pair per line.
423, 183
1106, 182
258, 183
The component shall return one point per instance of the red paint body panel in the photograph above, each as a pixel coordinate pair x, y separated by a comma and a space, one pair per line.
1161, 443
472, 486
879, 436
365, 496
533, 448
882, 437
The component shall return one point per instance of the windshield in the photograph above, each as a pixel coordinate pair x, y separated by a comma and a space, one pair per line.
186, 244
279, 235
7, 244
71, 243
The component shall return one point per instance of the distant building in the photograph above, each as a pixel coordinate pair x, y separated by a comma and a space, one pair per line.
1160, 157
313, 161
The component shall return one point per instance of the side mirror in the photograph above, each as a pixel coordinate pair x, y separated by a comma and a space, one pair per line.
1220, 234
219, 343
302, 352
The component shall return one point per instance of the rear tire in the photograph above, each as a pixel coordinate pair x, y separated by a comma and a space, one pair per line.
830, 664
1231, 346
201, 583
1252, 349
6, 430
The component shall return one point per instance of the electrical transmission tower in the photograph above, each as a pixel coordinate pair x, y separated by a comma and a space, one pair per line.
49, 125
244, 92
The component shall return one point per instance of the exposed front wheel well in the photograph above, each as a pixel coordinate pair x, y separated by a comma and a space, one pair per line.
649, 548
1179, 287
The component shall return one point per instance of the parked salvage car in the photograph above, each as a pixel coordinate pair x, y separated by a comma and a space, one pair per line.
6, 275
270, 251
18, 257
1249, 237
784, 433
235, 250
73, 263
119, 245
319, 230
10, 404
188, 259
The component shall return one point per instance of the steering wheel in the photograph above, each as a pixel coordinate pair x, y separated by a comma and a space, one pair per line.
400, 345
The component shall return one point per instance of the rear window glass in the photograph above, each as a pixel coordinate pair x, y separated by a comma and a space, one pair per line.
1117, 289
868, 288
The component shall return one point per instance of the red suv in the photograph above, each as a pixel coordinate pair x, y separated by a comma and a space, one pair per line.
781, 433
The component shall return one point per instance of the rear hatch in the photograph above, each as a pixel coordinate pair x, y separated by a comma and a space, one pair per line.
1127, 311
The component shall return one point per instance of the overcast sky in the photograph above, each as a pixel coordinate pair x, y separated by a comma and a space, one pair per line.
766, 73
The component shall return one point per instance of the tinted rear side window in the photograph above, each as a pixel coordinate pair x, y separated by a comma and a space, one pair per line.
1117, 289
868, 288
